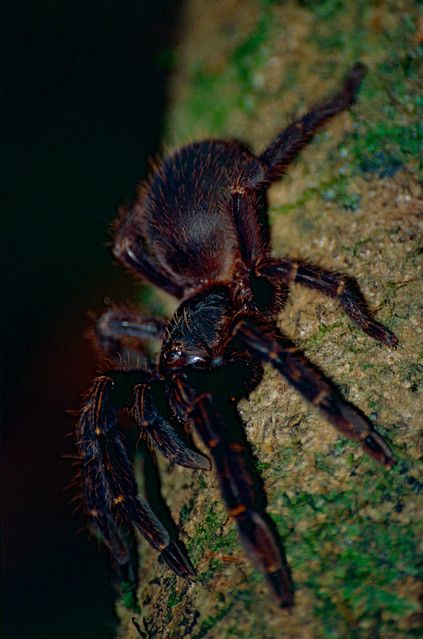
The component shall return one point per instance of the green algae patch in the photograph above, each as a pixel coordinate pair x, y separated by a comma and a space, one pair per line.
356, 561
129, 597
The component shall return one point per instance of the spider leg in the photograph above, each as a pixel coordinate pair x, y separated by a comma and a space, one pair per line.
109, 482
238, 490
291, 140
308, 380
129, 250
175, 554
245, 202
116, 326
112, 328
344, 289
159, 433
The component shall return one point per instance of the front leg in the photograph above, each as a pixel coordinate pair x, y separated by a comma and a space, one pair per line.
273, 347
342, 288
160, 434
239, 492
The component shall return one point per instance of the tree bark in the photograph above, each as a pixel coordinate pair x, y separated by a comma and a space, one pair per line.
352, 203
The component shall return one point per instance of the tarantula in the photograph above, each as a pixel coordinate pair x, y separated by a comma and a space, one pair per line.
199, 231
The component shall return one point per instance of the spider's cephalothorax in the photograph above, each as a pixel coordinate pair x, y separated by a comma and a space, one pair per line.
199, 231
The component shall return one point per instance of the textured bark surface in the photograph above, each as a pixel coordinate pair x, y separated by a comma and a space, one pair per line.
351, 202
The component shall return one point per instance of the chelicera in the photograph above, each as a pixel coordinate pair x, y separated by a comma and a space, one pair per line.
198, 230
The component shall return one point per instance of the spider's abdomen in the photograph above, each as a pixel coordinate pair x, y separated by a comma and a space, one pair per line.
187, 210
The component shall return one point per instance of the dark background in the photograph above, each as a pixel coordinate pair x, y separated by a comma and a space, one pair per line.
83, 88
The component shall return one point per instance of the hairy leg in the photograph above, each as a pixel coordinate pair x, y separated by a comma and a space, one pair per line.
110, 488
117, 323
291, 140
159, 434
307, 379
238, 490
116, 326
129, 250
344, 289
246, 203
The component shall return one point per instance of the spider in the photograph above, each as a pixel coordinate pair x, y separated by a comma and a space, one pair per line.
199, 231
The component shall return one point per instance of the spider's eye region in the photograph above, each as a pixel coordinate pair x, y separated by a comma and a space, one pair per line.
174, 353
177, 356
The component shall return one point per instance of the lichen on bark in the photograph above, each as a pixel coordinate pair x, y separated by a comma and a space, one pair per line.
353, 203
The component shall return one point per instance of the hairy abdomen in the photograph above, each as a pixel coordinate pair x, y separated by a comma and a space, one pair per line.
187, 210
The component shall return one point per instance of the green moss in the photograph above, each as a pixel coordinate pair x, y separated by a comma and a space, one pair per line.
323, 8
413, 375
323, 330
250, 56
335, 190
262, 466
210, 103
207, 534
306, 196
186, 511
383, 145
322, 464
210, 573
129, 596
173, 599
353, 560
387, 145
382, 163
233, 631
211, 621
214, 95
202, 483
326, 34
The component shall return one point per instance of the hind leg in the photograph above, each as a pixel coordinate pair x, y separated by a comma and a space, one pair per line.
280, 153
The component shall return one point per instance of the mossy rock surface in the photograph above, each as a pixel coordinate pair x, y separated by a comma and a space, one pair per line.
351, 202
